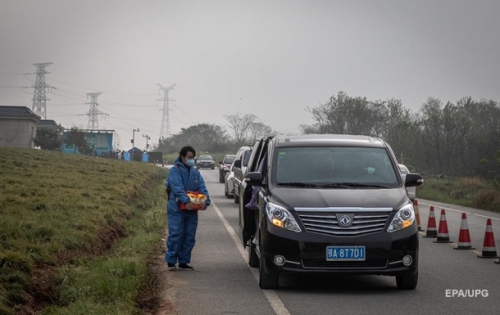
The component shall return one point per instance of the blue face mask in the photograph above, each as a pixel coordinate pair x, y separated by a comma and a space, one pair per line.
190, 162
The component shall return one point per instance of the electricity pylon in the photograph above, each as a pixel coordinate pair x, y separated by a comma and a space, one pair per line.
39, 98
165, 122
94, 112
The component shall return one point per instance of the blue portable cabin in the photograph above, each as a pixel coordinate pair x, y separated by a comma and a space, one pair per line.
100, 140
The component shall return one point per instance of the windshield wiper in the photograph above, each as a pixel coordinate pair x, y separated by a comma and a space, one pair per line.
350, 185
297, 184
336, 185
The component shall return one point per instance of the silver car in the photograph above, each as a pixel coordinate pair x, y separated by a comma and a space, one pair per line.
229, 182
412, 191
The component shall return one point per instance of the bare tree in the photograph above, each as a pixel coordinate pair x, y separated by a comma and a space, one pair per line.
240, 125
258, 130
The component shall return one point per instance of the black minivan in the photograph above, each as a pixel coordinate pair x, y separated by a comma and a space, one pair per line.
328, 204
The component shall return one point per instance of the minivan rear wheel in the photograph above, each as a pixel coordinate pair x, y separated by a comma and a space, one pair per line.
266, 280
407, 282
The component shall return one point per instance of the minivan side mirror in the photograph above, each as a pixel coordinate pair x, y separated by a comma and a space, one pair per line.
253, 178
237, 163
413, 179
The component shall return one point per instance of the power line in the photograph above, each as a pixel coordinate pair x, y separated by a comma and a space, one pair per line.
130, 105
70, 92
107, 92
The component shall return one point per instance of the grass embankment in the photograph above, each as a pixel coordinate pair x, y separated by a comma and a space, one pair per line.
470, 192
77, 233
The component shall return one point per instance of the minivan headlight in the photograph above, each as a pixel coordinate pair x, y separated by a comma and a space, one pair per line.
281, 217
404, 218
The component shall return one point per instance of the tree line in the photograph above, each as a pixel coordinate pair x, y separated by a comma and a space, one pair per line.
455, 139
243, 130
452, 139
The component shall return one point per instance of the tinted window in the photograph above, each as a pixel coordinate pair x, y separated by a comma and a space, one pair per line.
246, 157
324, 165
205, 157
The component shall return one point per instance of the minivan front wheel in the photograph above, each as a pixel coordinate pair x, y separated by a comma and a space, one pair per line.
407, 282
266, 280
253, 259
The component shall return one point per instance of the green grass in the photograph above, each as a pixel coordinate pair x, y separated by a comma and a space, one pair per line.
77, 233
470, 192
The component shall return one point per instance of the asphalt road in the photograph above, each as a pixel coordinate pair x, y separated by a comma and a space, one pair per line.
223, 283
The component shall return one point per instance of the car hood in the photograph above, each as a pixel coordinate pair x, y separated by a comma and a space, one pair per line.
292, 198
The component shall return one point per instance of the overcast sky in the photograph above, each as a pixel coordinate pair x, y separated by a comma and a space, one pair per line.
270, 58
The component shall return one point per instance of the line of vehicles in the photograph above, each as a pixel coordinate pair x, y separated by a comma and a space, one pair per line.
324, 204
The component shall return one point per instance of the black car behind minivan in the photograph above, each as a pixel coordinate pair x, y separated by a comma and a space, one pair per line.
328, 204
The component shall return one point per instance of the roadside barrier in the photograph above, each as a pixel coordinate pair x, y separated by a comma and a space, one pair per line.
442, 235
464, 236
489, 248
417, 214
431, 225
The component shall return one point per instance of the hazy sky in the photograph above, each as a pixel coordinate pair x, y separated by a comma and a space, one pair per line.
267, 57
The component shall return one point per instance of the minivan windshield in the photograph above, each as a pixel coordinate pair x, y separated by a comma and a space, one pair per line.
334, 167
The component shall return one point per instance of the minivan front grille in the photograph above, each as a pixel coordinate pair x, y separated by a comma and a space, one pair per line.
362, 221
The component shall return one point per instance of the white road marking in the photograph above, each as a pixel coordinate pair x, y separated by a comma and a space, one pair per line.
271, 295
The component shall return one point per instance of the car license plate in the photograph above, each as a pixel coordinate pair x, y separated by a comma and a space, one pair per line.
345, 253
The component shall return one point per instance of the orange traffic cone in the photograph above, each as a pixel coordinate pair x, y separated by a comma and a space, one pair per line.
443, 235
489, 249
417, 214
431, 225
464, 236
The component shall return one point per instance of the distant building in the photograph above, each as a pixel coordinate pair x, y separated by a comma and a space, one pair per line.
135, 149
17, 126
101, 141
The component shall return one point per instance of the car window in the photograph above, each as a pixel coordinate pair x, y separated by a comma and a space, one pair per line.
327, 165
246, 157
205, 157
